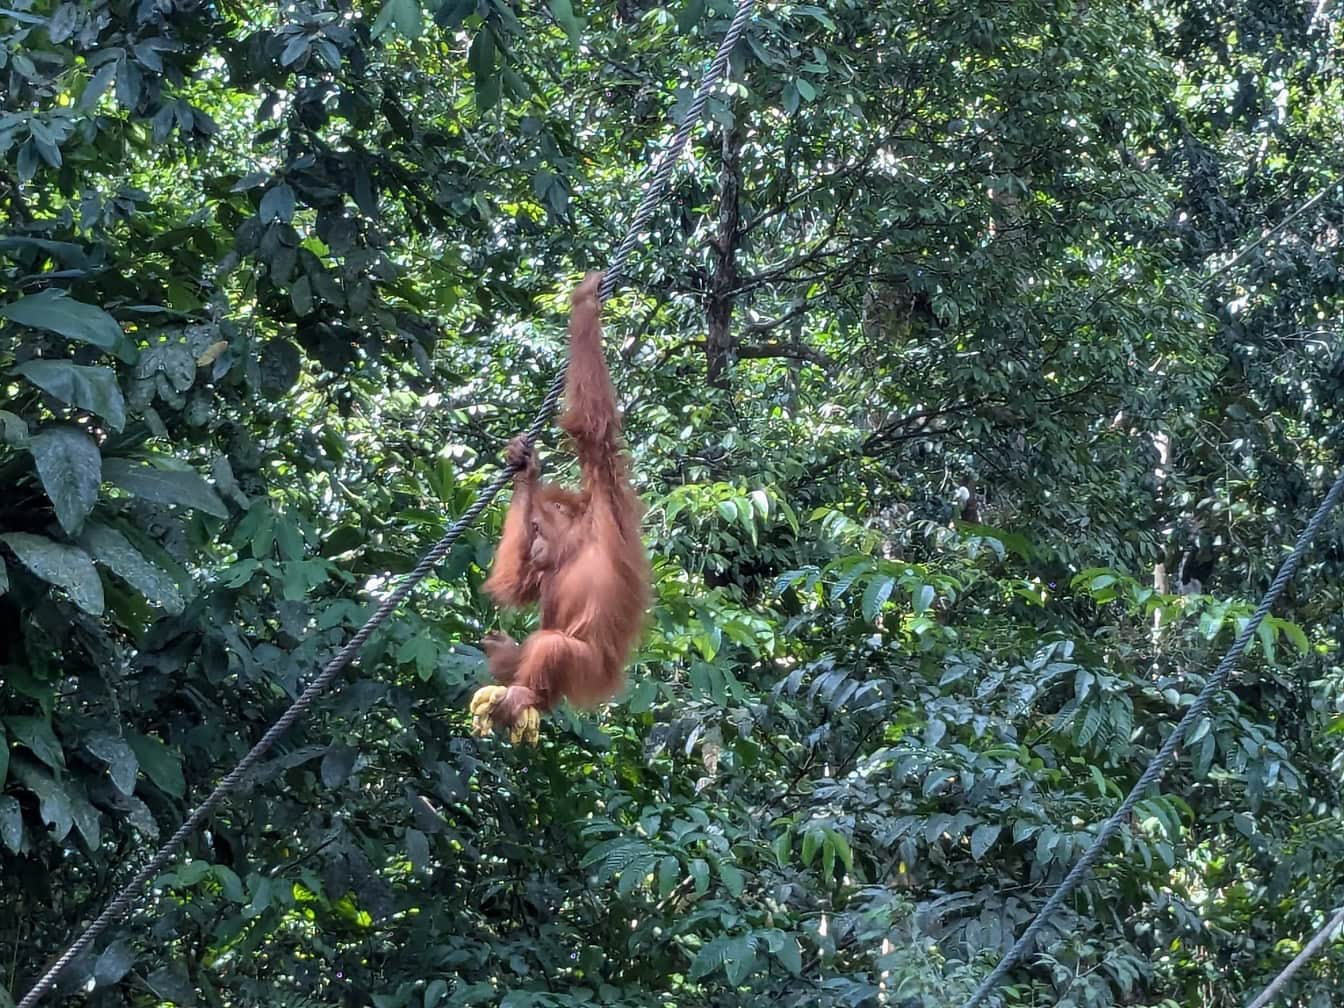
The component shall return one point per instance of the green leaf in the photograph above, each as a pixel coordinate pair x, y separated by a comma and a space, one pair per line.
875, 596
435, 991
563, 12
642, 696
709, 958
36, 734
277, 204
11, 823
161, 765
88, 388
404, 15
54, 804
63, 566
812, 840
115, 552
337, 764
982, 839
922, 599
13, 429
70, 468
690, 15
669, 874
790, 956
783, 848
842, 848
700, 875
164, 486
481, 56
732, 878
114, 963
739, 959
122, 765
56, 312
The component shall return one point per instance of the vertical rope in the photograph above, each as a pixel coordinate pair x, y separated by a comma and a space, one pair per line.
132, 891
1158, 766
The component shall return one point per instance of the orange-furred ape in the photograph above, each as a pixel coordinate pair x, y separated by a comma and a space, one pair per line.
578, 554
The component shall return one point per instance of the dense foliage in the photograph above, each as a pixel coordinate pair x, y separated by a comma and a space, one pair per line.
981, 365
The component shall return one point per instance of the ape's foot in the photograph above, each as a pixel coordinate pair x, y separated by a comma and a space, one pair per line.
525, 728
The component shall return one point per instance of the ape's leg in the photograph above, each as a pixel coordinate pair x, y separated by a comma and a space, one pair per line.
501, 655
547, 661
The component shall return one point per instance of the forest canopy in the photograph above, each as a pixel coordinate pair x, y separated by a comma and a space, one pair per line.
980, 365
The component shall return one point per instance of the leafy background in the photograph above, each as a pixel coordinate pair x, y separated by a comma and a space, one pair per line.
979, 367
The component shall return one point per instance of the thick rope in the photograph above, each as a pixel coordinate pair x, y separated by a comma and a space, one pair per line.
130, 894
1164, 754
1315, 945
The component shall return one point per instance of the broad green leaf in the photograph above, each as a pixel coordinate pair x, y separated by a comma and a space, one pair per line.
11, 823
812, 841
669, 874
732, 877
700, 875
122, 765
89, 388
36, 734
161, 765
13, 429
790, 956
54, 802
783, 848
164, 486
481, 55
922, 599
842, 849
739, 959
642, 696
56, 312
876, 594
690, 15
563, 12
709, 958
113, 963
70, 468
435, 991
277, 204
982, 839
114, 551
337, 764
65, 567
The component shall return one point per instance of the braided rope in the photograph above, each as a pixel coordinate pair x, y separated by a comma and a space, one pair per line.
1164, 754
130, 894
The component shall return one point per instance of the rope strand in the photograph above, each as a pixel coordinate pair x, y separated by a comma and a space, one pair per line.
129, 894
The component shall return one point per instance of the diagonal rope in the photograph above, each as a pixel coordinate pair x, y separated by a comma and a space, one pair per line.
130, 894
1164, 754
1317, 943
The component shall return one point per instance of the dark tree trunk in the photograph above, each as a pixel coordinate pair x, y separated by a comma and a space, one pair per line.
720, 345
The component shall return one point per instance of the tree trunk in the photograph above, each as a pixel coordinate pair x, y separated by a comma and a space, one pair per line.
720, 345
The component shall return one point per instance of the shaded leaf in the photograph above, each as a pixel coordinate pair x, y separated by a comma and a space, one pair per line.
70, 468
113, 963
36, 734
11, 823
55, 311
161, 765
164, 486
112, 549
90, 388
121, 763
65, 567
